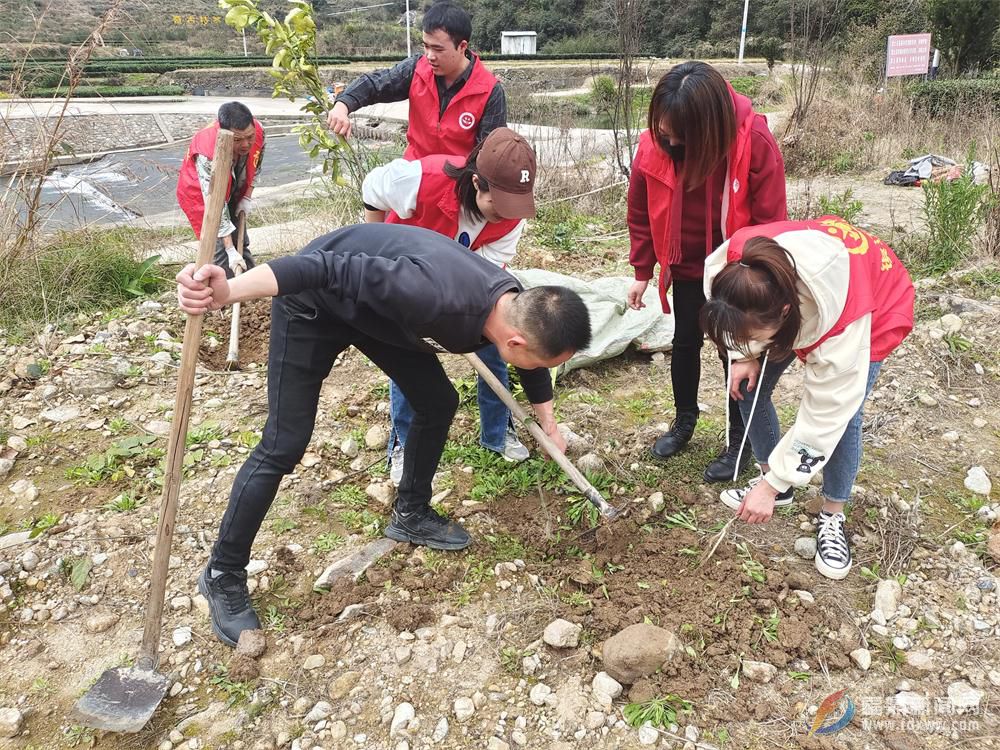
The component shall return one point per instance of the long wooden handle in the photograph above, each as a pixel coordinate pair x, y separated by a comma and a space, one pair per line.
589, 491
222, 164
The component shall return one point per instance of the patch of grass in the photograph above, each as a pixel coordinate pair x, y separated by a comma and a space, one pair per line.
248, 438
349, 495
362, 521
79, 736
751, 568
558, 226
118, 425
121, 461
579, 509
682, 519
768, 628
237, 693
660, 712
283, 525
204, 433
124, 503
76, 272
327, 542
274, 619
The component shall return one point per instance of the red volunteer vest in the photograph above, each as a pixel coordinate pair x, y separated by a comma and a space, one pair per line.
662, 180
437, 204
879, 283
454, 132
189, 196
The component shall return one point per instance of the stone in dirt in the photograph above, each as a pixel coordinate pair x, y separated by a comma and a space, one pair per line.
376, 438
964, 697
401, 718
6, 465
12, 540
978, 481
440, 731
10, 722
495, 743
605, 684
759, 671
805, 547
60, 414
182, 636
214, 721
590, 463
570, 705
24, 491
918, 664
538, 694
639, 650
862, 657
315, 661
342, 685
100, 621
319, 711
253, 643
648, 734
464, 709
242, 667
992, 543
575, 445
355, 563
382, 493
562, 634
887, 597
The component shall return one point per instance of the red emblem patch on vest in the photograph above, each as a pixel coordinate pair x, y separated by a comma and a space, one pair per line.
466, 120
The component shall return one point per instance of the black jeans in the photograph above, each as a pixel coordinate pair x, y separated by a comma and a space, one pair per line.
685, 359
304, 344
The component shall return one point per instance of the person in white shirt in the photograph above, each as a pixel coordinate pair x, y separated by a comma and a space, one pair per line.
481, 202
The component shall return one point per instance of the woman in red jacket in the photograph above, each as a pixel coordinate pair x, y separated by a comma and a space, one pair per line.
706, 166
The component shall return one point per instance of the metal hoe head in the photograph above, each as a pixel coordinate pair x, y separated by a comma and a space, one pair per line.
122, 700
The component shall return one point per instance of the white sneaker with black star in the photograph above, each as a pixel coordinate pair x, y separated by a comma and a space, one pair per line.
833, 552
733, 498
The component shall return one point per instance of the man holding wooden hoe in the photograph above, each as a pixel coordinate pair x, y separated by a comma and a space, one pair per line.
398, 294
196, 173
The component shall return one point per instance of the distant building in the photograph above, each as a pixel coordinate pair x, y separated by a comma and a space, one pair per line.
518, 42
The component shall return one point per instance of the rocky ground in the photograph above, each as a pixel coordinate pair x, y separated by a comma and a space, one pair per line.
548, 632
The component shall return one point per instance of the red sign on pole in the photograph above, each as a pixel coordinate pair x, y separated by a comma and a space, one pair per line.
907, 55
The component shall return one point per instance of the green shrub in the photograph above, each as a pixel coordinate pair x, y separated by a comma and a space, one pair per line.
603, 91
746, 85
77, 271
954, 212
843, 205
944, 97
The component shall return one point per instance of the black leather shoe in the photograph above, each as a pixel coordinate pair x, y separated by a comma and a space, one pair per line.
678, 436
722, 468
427, 528
228, 604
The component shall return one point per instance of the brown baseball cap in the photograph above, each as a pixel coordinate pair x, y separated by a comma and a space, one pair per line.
507, 161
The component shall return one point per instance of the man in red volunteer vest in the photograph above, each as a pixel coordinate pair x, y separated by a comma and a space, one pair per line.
196, 174
455, 102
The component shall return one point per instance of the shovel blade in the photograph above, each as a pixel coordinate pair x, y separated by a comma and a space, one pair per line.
122, 700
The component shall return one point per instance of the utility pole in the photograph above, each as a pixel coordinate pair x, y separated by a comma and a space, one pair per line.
743, 29
408, 52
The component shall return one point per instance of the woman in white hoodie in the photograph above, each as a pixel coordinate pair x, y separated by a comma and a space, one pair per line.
841, 300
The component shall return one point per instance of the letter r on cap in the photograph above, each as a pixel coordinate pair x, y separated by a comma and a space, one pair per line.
525, 176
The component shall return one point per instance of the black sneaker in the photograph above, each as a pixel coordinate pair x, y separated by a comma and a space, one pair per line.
428, 528
723, 468
228, 604
833, 552
679, 435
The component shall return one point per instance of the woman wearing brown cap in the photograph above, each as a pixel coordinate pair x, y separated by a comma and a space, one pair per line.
481, 202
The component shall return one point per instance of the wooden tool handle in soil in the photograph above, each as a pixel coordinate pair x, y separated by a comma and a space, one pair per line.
577, 477
222, 164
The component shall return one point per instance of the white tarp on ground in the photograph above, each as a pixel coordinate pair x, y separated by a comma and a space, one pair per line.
614, 325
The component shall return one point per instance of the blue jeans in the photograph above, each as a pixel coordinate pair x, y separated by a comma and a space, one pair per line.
764, 433
494, 417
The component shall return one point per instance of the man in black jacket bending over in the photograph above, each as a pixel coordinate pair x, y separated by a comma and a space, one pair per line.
398, 294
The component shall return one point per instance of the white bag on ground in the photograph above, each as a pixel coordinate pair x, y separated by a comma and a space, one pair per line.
614, 325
